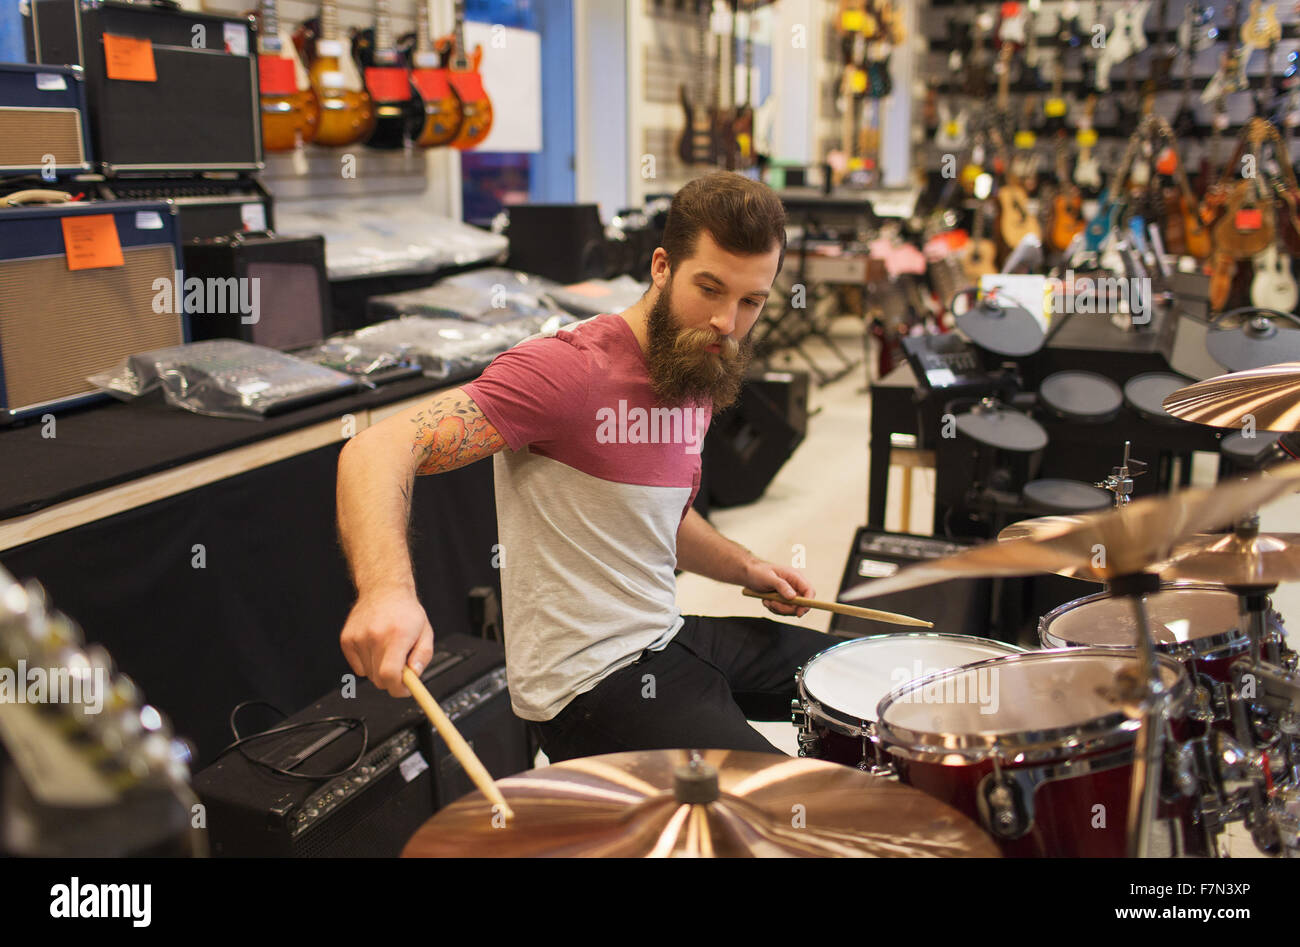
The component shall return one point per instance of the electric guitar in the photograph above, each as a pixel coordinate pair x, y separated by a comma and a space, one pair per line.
742, 125
289, 108
431, 78
695, 143
346, 112
1126, 38
467, 82
399, 114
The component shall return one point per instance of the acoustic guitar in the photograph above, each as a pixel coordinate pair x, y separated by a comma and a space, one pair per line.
289, 108
467, 82
346, 112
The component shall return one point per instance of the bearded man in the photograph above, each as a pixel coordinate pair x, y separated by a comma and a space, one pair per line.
595, 516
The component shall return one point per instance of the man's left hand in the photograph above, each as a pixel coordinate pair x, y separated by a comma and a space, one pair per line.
785, 581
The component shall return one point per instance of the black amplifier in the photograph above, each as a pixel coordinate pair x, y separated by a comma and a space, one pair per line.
168, 89
293, 292
403, 776
958, 607
43, 128
207, 206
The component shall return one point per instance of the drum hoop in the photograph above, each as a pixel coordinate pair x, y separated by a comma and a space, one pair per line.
959, 749
1221, 644
854, 726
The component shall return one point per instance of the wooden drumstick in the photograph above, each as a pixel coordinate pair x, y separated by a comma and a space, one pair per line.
856, 611
463, 752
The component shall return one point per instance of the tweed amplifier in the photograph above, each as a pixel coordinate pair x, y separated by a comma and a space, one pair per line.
78, 294
43, 121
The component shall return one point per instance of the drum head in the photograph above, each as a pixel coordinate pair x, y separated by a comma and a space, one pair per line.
1067, 496
1147, 392
851, 678
1004, 429
1040, 699
1081, 396
1177, 616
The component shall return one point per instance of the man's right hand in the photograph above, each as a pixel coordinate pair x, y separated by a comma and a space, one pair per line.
385, 632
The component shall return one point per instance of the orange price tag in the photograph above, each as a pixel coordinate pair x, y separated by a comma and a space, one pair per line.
90, 241
1250, 218
388, 84
126, 57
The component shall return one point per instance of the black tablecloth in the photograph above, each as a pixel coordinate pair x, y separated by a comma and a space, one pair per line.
113, 442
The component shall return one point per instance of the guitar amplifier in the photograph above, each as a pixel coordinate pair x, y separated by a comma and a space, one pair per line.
959, 607
403, 775
293, 292
563, 242
43, 126
168, 89
209, 206
58, 324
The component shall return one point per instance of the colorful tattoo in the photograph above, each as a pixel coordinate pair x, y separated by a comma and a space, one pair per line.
447, 439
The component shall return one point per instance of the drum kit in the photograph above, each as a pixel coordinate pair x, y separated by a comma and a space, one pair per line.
1158, 711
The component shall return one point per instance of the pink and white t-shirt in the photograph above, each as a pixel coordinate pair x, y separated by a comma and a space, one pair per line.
590, 495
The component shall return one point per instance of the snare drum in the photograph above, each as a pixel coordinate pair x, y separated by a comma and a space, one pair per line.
1197, 624
1046, 727
840, 687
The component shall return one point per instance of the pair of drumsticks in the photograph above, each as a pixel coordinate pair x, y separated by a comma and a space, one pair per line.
467, 758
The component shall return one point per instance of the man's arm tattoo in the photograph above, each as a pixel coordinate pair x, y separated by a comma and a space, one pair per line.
445, 440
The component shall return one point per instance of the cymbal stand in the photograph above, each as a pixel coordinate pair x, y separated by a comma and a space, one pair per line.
1144, 696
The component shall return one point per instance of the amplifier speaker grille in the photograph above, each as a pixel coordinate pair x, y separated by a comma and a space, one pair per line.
27, 135
58, 326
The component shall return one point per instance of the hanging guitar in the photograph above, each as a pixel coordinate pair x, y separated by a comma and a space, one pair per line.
467, 82
346, 112
399, 113
695, 143
289, 108
430, 76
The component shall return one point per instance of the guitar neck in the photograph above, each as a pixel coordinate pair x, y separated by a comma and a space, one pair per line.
329, 20
422, 42
269, 40
383, 31
460, 61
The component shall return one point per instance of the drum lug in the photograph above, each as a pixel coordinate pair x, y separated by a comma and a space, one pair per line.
798, 715
1005, 801
809, 744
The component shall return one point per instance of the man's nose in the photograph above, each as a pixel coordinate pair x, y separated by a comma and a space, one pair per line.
724, 321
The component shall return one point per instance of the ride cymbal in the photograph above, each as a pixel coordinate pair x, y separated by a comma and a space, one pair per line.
1239, 558
724, 804
1133, 538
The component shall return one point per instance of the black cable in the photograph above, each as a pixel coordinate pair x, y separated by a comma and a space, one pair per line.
351, 722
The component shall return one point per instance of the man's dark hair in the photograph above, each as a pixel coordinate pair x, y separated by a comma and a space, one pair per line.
743, 217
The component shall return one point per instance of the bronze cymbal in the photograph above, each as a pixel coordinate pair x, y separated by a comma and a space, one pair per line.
1271, 395
1135, 538
1237, 559
630, 805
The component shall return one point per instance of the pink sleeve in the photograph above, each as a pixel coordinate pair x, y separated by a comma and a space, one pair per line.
530, 392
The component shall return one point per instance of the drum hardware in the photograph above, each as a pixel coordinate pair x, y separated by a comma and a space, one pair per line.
1120, 481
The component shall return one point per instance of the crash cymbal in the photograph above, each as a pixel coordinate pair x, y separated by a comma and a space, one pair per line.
1239, 558
725, 804
1270, 395
1123, 541
1043, 526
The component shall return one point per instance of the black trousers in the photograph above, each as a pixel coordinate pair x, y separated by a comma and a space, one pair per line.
697, 693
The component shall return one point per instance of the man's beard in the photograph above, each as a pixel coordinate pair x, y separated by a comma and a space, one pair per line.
682, 370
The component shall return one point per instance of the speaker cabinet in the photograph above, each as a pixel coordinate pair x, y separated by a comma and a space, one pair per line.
748, 443
563, 242
43, 120
59, 325
292, 289
200, 109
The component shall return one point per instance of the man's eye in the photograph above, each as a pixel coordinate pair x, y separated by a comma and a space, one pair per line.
709, 290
